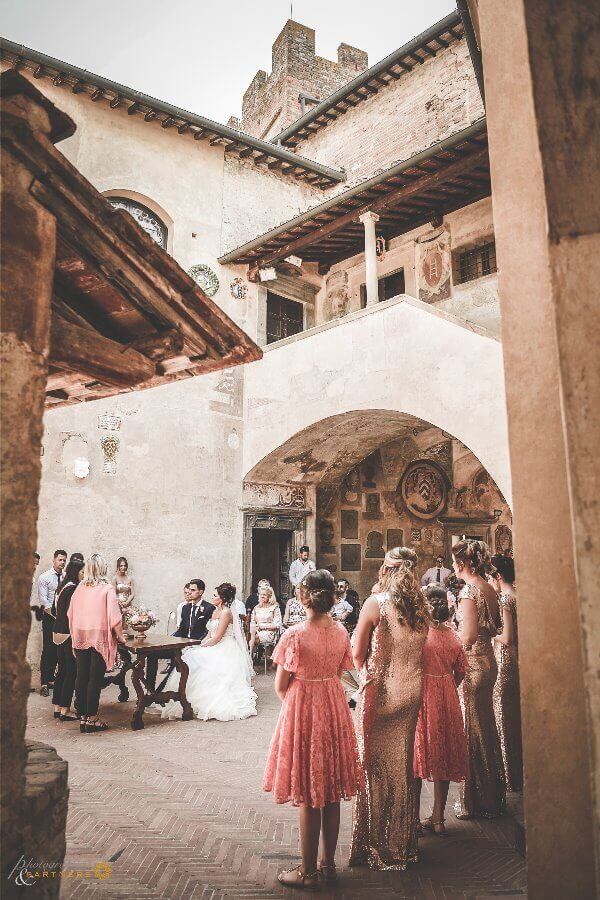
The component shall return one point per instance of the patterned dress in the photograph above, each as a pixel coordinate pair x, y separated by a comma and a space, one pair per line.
384, 831
313, 757
482, 793
507, 704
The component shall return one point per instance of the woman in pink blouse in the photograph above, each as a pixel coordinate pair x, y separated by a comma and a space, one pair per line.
95, 624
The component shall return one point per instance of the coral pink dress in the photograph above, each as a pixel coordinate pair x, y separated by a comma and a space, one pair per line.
313, 757
440, 742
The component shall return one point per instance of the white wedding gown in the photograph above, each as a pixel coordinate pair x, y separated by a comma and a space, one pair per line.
219, 684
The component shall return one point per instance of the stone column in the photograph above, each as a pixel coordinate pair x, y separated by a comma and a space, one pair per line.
28, 243
541, 74
369, 220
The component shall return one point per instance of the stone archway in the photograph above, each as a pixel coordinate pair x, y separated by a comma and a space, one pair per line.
353, 481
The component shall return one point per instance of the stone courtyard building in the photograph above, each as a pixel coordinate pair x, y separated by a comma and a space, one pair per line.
247, 465
345, 224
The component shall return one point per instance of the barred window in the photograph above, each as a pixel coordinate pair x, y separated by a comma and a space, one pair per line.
476, 263
284, 317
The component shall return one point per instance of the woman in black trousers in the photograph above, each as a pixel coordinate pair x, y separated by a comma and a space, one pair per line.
95, 622
64, 683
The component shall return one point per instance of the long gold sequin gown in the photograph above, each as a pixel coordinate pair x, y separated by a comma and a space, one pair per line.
482, 794
384, 829
507, 703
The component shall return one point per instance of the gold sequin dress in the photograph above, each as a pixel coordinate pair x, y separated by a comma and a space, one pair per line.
482, 794
384, 829
507, 704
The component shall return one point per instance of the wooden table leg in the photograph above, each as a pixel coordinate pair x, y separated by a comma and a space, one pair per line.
137, 677
120, 679
182, 668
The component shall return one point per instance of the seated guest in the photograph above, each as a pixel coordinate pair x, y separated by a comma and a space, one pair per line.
95, 625
266, 621
453, 587
193, 623
251, 602
239, 607
196, 614
295, 610
64, 683
436, 574
341, 609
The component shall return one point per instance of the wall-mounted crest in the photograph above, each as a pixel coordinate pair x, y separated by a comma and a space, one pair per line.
204, 276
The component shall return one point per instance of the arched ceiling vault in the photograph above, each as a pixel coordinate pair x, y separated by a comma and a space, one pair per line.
326, 451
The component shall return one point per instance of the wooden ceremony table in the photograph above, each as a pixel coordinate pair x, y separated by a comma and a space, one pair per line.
141, 657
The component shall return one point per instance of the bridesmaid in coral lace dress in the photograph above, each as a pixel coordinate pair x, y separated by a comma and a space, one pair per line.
507, 702
388, 646
313, 758
483, 791
440, 742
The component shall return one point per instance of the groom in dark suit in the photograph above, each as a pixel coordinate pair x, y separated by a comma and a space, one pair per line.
196, 614
195, 617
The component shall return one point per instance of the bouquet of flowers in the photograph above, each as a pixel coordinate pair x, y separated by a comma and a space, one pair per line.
140, 619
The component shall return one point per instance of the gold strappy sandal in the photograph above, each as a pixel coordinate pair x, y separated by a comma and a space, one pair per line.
298, 879
328, 873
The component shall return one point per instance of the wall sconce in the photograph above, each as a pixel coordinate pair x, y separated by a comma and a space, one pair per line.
497, 514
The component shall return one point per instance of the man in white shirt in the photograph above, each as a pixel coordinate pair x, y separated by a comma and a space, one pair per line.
436, 574
340, 610
301, 567
47, 585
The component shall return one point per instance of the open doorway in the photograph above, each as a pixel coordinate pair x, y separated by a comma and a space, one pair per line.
271, 559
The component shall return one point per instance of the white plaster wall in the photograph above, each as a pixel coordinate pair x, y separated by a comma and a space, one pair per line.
172, 508
255, 200
403, 355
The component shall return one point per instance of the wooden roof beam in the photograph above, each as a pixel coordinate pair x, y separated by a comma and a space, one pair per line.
115, 102
80, 350
96, 95
427, 182
167, 122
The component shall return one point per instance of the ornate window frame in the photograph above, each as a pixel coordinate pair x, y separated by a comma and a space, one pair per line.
148, 205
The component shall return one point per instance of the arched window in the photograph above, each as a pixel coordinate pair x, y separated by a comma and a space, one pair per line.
149, 221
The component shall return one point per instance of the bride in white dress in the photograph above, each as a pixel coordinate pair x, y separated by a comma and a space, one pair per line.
219, 684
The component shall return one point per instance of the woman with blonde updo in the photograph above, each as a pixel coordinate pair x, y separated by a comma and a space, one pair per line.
388, 647
265, 622
482, 793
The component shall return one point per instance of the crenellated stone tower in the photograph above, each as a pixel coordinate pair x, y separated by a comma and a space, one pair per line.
299, 79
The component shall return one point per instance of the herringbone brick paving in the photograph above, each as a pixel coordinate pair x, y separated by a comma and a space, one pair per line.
178, 810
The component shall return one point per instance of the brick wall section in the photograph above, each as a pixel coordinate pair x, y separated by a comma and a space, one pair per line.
271, 102
426, 105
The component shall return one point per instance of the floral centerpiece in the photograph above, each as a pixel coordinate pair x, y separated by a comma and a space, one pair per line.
140, 620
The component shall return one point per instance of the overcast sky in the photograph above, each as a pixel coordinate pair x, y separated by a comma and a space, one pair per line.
202, 54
